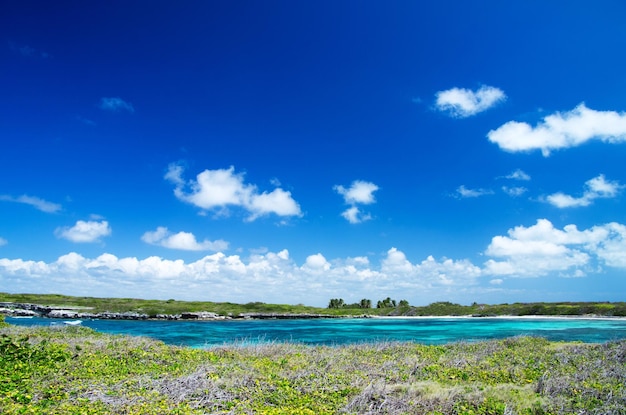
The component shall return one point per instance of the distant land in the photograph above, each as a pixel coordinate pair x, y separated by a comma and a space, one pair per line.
56, 305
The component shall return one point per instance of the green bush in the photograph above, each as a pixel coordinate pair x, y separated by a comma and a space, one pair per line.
74, 370
20, 361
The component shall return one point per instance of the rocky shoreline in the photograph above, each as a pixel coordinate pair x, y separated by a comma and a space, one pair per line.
58, 312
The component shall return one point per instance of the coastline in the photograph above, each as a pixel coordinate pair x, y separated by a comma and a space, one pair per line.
14, 309
67, 312
508, 317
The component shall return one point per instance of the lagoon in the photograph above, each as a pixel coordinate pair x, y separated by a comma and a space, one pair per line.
341, 331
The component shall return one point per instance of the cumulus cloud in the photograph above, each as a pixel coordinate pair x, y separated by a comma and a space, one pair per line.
316, 263
3, 241
533, 251
223, 188
359, 192
84, 231
182, 240
561, 130
36, 202
278, 201
464, 192
463, 103
221, 277
611, 249
596, 188
116, 104
429, 273
354, 215
540, 249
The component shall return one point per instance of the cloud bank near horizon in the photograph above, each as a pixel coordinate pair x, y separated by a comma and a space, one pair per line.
525, 252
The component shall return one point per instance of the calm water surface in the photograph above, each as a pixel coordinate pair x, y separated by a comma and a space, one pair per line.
345, 331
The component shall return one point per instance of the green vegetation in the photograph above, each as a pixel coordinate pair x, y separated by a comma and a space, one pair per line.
386, 303
336, 306
617, 309
336, 303
73, 370
152, 307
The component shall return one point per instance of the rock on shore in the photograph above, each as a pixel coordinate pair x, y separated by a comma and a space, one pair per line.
24, 309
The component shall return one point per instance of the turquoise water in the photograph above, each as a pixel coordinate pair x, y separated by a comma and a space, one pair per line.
346, 331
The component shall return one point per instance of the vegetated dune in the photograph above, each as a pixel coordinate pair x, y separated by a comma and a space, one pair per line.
74, 370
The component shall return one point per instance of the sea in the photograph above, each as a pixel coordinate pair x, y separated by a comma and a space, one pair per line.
341, 331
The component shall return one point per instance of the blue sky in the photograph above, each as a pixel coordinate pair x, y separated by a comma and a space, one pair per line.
293, 152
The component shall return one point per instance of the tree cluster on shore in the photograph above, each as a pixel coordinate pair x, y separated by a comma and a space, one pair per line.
336, 303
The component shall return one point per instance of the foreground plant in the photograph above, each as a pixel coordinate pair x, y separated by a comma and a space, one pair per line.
75, 370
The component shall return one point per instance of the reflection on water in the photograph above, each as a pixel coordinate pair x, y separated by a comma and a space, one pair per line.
345, 331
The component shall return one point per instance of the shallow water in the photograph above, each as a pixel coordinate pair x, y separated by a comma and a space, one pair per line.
346, 331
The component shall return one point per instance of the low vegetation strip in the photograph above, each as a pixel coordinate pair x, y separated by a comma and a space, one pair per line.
74, 370
172, 309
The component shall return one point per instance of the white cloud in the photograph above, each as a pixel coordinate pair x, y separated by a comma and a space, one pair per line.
612, 247
174, 175
182, 240
316, 263
116, 104
221, 188
514, 191
561, 130
464, 192
354, 215
397, 263
278, 201
275, 277
359, 192
84, 231
540, 249
269, 277
33, 201
3, 241
596, 188
518, 175
429, 273
462, 103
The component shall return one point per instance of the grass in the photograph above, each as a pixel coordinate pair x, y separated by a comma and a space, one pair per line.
74, 370
154, 307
